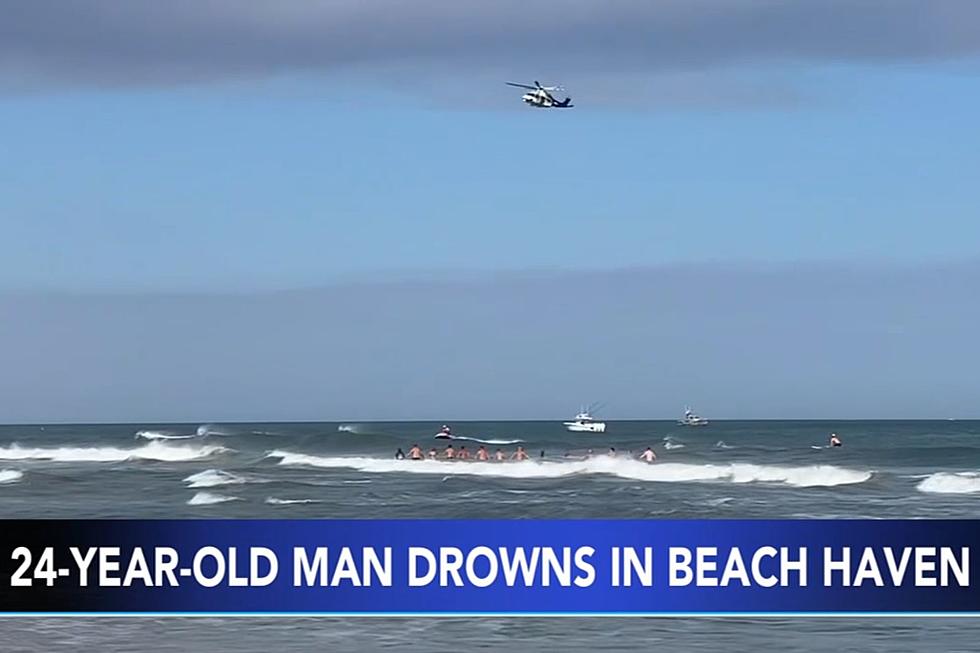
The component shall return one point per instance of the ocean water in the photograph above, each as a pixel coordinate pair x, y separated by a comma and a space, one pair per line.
778, 469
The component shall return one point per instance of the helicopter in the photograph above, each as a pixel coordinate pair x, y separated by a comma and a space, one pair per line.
541, 97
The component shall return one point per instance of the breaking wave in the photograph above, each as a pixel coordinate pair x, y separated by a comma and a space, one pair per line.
273, 501
951, 483
8, 476
487, 441
213, 478
673, 445
153, 450
808, 476
159, 435
209, 498
211, 429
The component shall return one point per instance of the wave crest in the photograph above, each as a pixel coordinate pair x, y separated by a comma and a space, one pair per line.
950, 483
153, 450
273, 501
8, 476
209, 498
213, 478
808, 476
160, 435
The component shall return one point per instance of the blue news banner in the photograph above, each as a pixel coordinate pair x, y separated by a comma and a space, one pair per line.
512, 567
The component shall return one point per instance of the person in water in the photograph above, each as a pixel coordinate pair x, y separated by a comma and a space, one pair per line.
450, 453
481, 454
612, 452
463, 454
399, 455
648, 455
835, 441
415, 453
499, 455
520, 454
433, 454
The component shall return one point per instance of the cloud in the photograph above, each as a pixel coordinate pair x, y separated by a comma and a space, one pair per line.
146, 42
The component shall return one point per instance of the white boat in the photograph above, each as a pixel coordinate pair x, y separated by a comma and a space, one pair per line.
692, 419
585, 423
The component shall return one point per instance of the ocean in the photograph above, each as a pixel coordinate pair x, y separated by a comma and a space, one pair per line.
728, 469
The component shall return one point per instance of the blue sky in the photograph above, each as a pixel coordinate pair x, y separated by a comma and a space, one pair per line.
167, 168
284, 183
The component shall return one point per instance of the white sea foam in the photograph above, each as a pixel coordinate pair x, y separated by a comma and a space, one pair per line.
720, 501
153, 450
951, 483
273, 501
159, 435
8, 476
211, 429
807, 476
673, 445
213, 478
209, 498
487, 441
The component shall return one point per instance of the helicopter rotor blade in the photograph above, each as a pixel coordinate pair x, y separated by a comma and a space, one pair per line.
527, 86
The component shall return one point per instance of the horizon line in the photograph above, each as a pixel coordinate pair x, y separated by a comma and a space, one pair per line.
477, 420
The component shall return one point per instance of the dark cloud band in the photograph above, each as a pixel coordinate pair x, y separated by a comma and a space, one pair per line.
149, 42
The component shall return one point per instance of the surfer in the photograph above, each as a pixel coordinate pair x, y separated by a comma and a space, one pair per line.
463, 454
520, 454
481, 454
450, 453
648, 455
415, 453
835, 441
499, 455
399, 455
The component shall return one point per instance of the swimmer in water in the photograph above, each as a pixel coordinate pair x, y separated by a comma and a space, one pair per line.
612, 452
648, 455
463, 454
499, 456
415, 453
433, 454
450, 453
399, 455
835, 441
481, 454
520, 454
